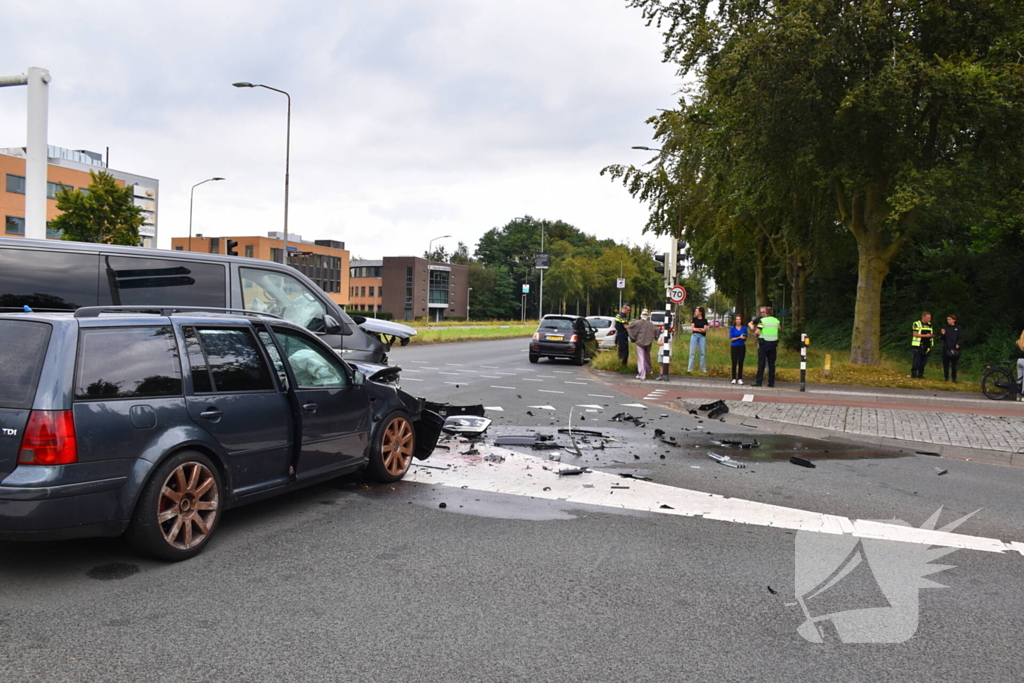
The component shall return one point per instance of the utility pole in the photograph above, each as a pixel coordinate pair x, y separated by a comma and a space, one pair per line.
38, 81
540, 305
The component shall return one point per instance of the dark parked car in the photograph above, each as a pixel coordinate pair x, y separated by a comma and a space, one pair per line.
151, 422
564, 336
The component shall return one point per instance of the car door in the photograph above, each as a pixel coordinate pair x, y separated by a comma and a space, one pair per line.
334, 412
234, 397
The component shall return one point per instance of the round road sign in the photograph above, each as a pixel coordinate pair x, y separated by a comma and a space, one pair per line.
677, 294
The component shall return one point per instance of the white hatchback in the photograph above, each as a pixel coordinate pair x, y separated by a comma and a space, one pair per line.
605, 328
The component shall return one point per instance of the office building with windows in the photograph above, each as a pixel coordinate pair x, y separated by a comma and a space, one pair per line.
69, 168
325, 262
417, 288
366, 286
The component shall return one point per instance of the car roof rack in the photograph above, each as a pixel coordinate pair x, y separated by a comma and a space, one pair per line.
167, 311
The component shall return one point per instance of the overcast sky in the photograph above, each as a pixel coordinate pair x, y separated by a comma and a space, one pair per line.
410, 120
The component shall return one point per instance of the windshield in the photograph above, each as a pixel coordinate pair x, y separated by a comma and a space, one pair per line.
599, 323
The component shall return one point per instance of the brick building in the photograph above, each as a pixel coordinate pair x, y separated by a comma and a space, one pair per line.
69, 168
417, 288
366, 285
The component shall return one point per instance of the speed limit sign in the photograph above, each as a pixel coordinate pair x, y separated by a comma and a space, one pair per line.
677, 294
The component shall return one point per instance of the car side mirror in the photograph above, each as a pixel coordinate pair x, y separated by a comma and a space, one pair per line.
358, 377
332, 326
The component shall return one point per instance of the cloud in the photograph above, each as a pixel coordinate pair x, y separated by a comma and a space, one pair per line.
408, 118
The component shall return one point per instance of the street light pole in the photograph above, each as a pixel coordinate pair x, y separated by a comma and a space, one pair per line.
540, 305
430, 246
467, 302
287, 156
191, 199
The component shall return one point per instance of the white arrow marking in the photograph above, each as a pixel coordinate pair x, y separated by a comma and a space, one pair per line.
544, 407
494, 408
633, 405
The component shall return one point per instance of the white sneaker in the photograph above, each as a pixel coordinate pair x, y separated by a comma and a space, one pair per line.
732, 382
739, 381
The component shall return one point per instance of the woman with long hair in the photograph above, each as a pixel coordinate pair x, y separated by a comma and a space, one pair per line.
699, 340
738, 346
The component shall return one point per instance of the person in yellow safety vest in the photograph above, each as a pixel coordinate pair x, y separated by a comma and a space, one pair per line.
921, 344
768, 346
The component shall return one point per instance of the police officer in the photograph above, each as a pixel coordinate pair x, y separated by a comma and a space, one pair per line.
921, 344
767, 345
621, 335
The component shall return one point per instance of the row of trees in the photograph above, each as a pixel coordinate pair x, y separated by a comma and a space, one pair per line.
581, 279
821, 137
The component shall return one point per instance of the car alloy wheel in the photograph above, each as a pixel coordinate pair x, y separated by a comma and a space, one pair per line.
188, 506
397, 443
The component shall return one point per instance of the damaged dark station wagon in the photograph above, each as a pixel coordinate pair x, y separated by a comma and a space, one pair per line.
151, 422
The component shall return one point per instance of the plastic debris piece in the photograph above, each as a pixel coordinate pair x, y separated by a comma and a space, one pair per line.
726, 460
712, 405
555, 456
581, 432
666, 507
466, 424
691, 411
547, 488
772, 590
927, 453
630, 475
615, 486
658, 433
575, 470
939, 471
797, 460
443, 505
494, 457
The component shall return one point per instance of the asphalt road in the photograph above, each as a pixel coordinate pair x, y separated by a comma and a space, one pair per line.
354, 582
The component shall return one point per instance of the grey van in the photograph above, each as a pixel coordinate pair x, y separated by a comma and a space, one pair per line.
49, 275
151, 423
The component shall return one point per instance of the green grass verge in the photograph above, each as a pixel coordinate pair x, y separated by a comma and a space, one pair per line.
426, 325
429, 336
892, 373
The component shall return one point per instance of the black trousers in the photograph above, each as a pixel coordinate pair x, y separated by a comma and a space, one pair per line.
623, 350
739, 354
920, 360
766, 352
949, 362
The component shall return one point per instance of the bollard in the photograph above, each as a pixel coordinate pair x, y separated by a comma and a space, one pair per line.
828, 365
805, 341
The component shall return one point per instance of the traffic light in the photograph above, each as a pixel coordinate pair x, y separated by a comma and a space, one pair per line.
659, 266
231, 244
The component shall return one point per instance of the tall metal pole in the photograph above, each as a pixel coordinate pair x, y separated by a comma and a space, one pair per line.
540, 304
620, 288
191, 199
287, 156
37, 79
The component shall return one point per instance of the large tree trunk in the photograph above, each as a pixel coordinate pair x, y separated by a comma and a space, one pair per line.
760, 278
864, 216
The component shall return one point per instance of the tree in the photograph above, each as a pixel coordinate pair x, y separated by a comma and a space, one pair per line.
106, 213
905, 112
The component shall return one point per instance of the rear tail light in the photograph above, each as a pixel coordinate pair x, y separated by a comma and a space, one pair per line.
573, 339
49, 439
536, 336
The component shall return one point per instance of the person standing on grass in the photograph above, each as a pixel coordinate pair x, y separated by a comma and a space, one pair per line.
642, 332
738, 346
767, 346
699, 340
755, 321
952, 339
921, 343
621, 335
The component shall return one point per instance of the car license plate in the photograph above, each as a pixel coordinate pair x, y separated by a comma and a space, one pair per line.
558, 338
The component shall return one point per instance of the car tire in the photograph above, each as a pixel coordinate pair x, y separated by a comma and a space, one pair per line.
179, 508
394, 442
534, 358
578, 359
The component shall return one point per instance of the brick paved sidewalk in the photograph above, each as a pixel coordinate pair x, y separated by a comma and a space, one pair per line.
989, 438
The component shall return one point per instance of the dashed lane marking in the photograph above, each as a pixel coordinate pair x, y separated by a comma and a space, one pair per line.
589, 405
600, 396
491, 376
495, 386
531, 379
632, 405
492, 367
498, 408
455, 364
544, 407
456, 383
411, 379
448, 373
419, 361
568, 382
563, 372
549, 391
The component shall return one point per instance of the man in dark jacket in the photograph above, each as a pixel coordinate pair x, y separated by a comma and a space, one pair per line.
621, 335
952, 340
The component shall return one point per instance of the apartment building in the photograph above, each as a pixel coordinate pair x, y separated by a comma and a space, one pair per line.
366, 285
69, 168
417, 288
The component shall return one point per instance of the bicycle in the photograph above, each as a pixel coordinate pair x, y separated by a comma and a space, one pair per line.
998, 383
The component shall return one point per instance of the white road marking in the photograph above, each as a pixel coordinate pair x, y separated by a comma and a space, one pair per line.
510, 374
563, 372
568, 382
419, 361
492, 367
591, 410
748, 398
411, 379
548, 376
491, 376
589, 405
525, 475
456, 383
498, 408
544, 407
632, 405
455, 364
600, 396
427, 367
495, 386
549, 391
448, 373
531, 379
